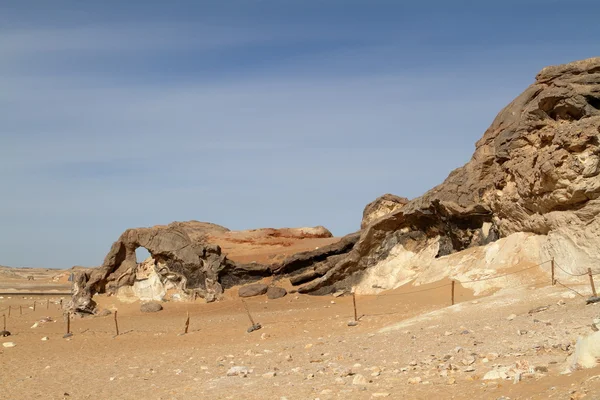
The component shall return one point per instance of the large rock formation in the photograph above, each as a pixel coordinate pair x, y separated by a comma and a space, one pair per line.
535, 170
534, 173
187, 257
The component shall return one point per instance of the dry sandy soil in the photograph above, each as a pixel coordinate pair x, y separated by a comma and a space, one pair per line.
305, 349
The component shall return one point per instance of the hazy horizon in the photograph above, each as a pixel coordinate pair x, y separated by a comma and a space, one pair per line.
249, 114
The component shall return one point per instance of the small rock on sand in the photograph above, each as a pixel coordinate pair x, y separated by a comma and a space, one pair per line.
151, 307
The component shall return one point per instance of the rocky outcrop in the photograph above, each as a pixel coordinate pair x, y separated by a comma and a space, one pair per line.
535, 170
185, 257
381, 207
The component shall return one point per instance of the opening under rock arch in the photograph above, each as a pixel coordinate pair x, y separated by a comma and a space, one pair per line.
141, 254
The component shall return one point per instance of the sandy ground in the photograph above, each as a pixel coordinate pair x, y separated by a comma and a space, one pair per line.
305, 349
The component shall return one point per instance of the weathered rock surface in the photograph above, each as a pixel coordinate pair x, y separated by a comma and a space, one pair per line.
255, 289
534, 174
535, 170
187, 257
381, 207
275, 292
151, 307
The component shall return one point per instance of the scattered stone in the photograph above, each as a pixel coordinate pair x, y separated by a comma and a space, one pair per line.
4, 333
568, 295
256, 289
271, 374
469, 369
592, 300
359, 380
451, 381
104, 313
339, 293
538, 309
265, 336
45, 338
414, 381
353, 323
151, 306
380, 394
274, 292
517, 378
254, 327
238, 371
448, 333
468, 361
496, 374
511, 317
8, 344
541, 368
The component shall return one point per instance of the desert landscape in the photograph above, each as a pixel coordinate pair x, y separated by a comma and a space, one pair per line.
481, 288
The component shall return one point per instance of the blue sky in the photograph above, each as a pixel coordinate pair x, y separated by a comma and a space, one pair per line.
249, 113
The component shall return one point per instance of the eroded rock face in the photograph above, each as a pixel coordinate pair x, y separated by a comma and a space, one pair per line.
535, 170
381, 207
186, 258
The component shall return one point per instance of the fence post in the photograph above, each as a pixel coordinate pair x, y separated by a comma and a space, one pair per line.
552, 264
34, 305
47, 304
116, 324
4, 317
354, 304
248, 312
9, 311
452, 292
187, 323
592, 282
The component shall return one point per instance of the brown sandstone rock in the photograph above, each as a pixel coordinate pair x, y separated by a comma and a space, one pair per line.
255, 289
535, 170
151, 307
275, 292
381, 207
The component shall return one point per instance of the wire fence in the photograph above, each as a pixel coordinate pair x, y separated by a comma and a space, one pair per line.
233, 311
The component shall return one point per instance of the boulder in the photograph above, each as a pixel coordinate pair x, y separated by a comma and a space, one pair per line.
275, 292
151, 307
255, 289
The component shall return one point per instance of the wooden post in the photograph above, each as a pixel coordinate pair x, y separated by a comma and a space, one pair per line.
248, 312
47, 304
187, 322
68, 323
452, 292
9, 311
60, 304
552, 265
20, 310
4, 316
354, 303
592, 282
34, 305
116, 324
